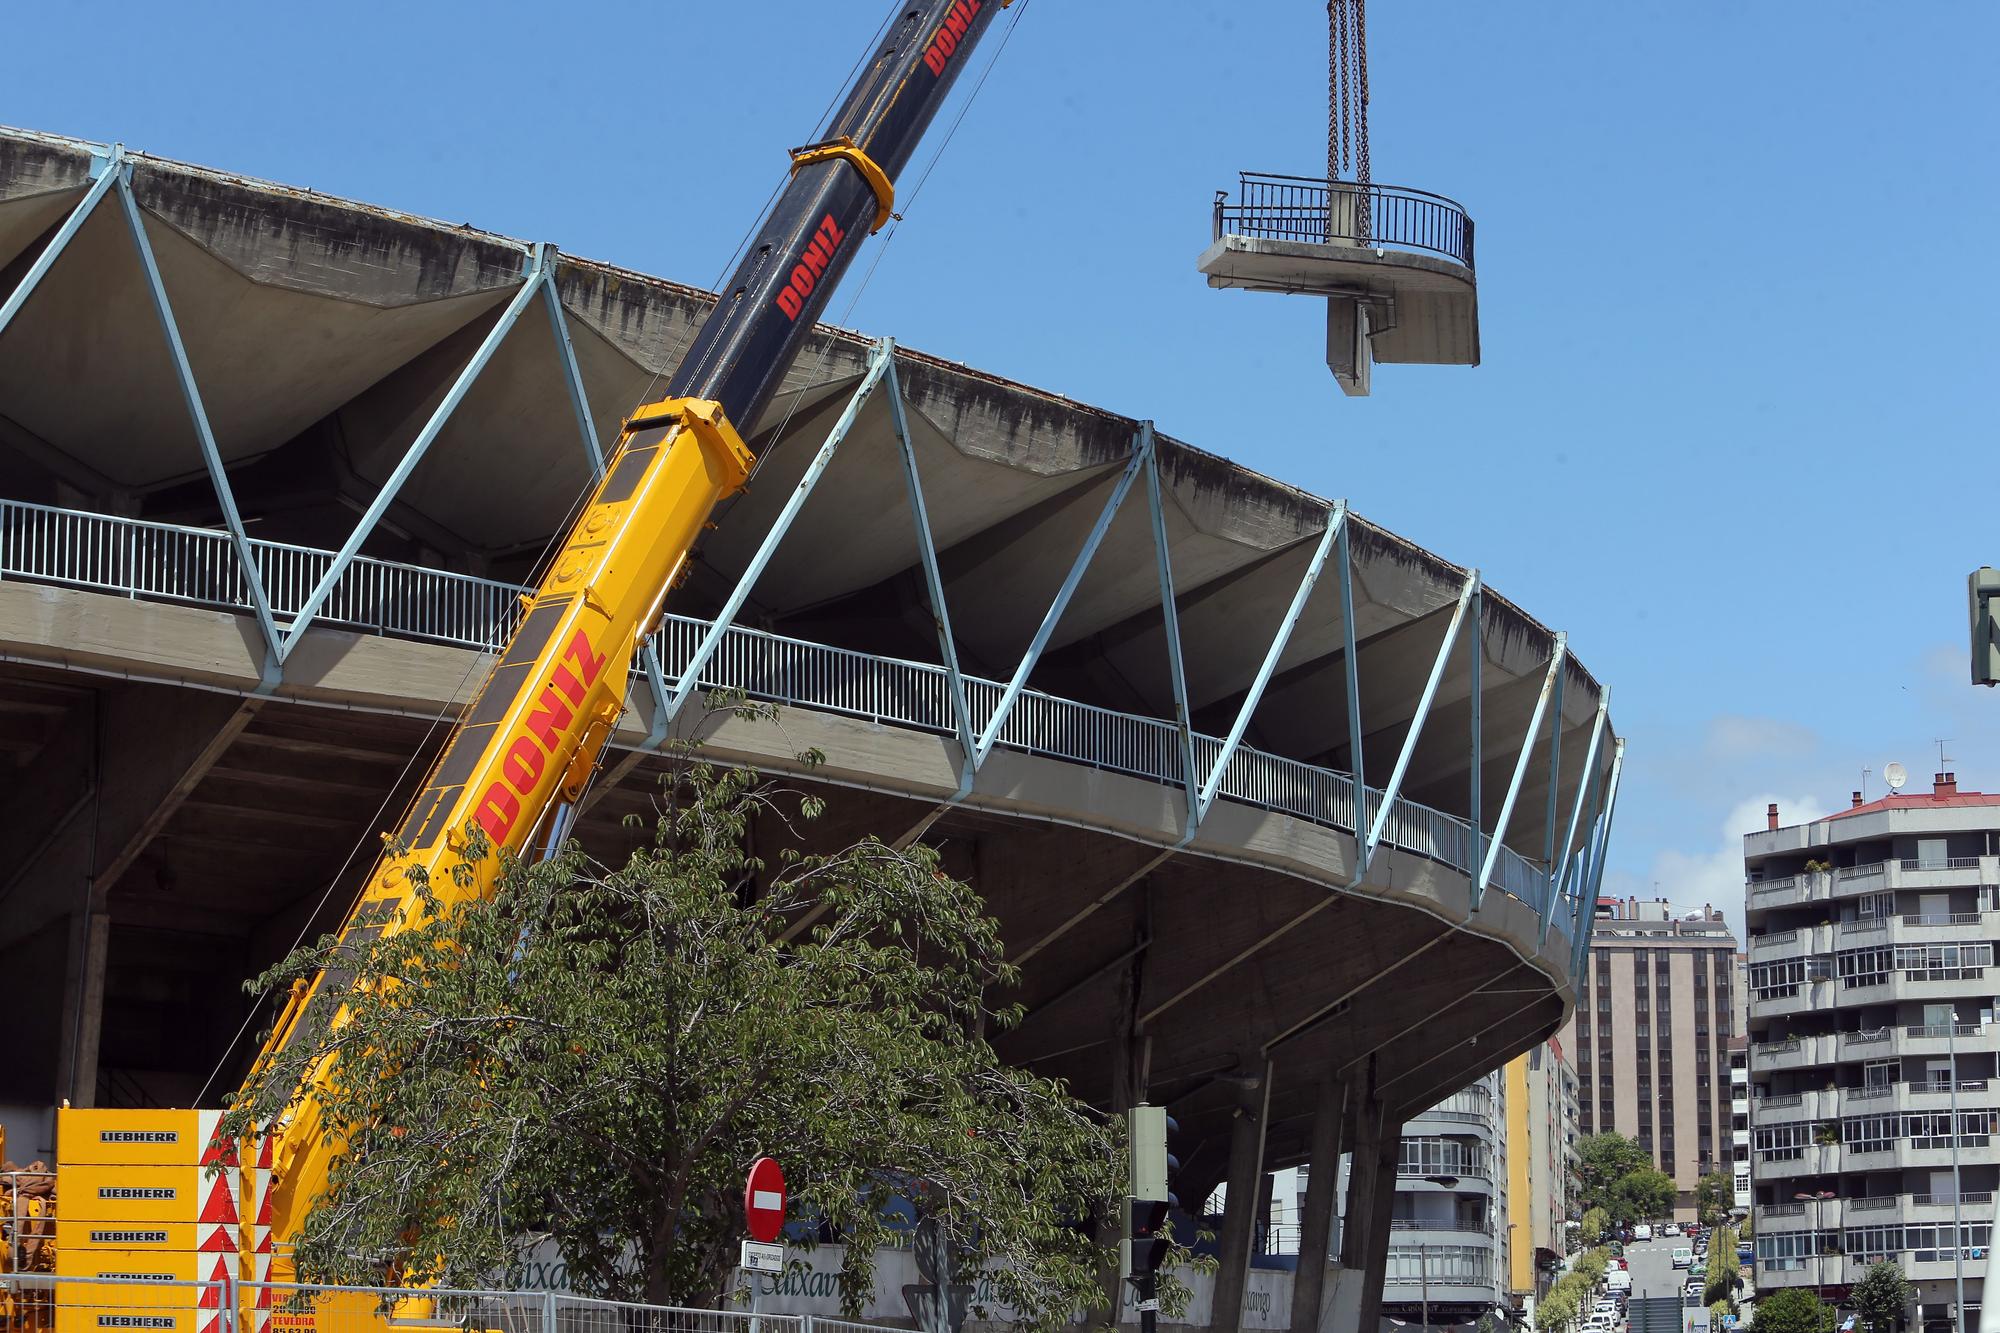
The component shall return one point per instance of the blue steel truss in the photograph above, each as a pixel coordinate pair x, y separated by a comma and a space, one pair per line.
1202, 768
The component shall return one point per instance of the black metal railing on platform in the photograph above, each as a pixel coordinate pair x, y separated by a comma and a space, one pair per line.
1306, 208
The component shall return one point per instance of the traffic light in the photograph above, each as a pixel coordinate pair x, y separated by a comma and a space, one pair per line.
1149, 1203
1152, 1166
1981, 587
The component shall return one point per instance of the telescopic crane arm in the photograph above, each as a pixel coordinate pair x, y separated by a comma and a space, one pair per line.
538, 726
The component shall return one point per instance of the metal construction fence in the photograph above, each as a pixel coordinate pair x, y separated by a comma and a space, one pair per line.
163, 1304
198, 566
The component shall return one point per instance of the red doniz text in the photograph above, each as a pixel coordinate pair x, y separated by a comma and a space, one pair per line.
811, 267
544, 730
938, 54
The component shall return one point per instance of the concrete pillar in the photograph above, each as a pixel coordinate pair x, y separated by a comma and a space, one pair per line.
1239, 1211
83, 1007
1322, 1189
1373, 1242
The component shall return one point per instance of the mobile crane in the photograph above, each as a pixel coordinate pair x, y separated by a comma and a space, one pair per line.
525, 748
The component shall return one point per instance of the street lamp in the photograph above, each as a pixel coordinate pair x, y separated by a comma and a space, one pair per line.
1819, 1240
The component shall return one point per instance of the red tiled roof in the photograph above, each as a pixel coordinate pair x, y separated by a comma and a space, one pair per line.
1921, 801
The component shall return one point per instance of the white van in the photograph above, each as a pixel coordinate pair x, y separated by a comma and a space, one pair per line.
1644, 1231
1618, 1279
1683, 1257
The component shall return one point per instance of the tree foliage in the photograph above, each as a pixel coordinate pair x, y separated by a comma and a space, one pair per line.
1724, 1268
1714, 1196
1595, 1223
1882, 1296
599, 1054
1644, 1194
1792, 1310
1603, 1160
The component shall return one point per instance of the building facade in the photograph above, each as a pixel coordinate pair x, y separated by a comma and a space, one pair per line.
1655, 1017
1873, 1044
1449, 1225
1541, 1159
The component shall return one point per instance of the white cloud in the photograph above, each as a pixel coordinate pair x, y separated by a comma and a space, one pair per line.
1714, 877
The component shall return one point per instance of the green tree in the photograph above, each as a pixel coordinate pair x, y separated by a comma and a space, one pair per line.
1793, 1310
1555, 1310
600, 1054
1724, 1269
1595, 1223
1602, 1161
1644, 1194
1882, 1296
1714, 1196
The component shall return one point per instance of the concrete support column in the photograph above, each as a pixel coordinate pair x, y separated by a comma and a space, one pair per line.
1239, 1212
1322, 1190
1372, 1223
83, 1006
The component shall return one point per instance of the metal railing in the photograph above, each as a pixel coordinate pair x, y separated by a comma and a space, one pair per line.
1940, 1031
1859, 872
1439, 1224
197, 566
1307, 208
1949, 863
246, 1307
1941, 919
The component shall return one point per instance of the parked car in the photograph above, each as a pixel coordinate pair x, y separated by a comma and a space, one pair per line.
1670, 1229
1643, 1231
1683, 1257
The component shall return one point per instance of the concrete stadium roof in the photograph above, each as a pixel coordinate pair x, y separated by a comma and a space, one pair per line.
323, 334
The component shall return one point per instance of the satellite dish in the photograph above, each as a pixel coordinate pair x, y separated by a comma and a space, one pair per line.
1895, 775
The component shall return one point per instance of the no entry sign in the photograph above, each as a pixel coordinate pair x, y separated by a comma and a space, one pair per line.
764, 1200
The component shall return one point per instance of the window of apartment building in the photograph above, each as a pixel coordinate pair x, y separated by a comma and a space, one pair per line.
1869, 1133
1874, 1244
1864, 967
1440, 1157
1932, 1240
1943, 962
1706, 1141
1788, 1249
1642, 1030
1779, 980
1604, 1004
1607, 1113
1932, 1129
1875, 906
1782, 1143
1666, 1021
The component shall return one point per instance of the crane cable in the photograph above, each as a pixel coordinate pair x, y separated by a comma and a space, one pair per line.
1347, 105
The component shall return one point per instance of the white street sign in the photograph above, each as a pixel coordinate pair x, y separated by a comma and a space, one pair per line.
759, 1257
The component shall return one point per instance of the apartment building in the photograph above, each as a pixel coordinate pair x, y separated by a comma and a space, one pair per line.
1873, 1044
1652, 1034
1540, 1086
1739, 1121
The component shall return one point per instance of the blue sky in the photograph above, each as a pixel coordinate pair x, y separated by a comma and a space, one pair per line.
1734, 429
